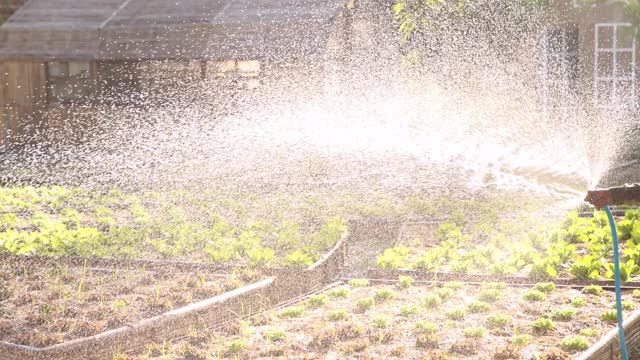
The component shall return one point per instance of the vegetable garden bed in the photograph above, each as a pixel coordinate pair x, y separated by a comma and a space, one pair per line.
450, 320
47, 305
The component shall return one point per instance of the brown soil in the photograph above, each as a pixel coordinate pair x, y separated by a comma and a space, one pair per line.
315, 335
42, 306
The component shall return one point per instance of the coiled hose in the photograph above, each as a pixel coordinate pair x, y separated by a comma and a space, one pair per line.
616, 264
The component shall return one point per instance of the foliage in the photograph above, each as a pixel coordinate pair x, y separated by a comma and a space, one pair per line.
432, 300
366, 303
545, 287
592, 290
359, 282
409, 310
337, 315
521, 340
455, 314
318, 300
339, 293
292, 312
405, 281
274, 335
298, 260
543, 325
534, 295
628, 305
476, 306
564, 314
574, 342
590, 332
237, 346
425, 327
609, 315
498, 320
453, 285
444, 293
490, 295
383, 294
393, 258
380, 321
578, 302
476, 332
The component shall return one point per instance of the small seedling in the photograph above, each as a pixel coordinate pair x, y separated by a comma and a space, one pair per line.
495, 286
380, 321
432, 300
337, 315
426, 327
453, 285
579, 302
609, 315
409, 310
543, 325
383, 294
444, 293
592, 290
636, 292
427, 341
274, 335
318, 300
490, 295
476, 306
339, 293
476, 332
574, 342
545, 287
590, 332
366, 303
498, 320
627, 305
455, 314
292, 312
358, 282
521, 340
534, 295
564, 314
405, 282
237, 346
119, 305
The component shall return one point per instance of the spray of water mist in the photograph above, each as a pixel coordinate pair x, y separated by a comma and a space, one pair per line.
457, 113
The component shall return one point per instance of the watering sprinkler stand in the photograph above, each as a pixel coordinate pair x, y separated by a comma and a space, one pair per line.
602, 198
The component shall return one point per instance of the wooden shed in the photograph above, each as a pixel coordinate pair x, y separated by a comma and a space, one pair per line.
57, 54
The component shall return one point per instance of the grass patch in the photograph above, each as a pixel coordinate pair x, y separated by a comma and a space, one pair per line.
476, 306
426, 327
292, 312
366, 303
318, 300
358, 282
592, 290
564, 314
543, 325
475, 332
382, 295
574, 343
545, 287
498, 320
432, 301
534, 295
455, 314
339, 293
405, 282
337, 315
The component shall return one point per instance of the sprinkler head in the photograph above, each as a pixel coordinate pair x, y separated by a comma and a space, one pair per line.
599, 198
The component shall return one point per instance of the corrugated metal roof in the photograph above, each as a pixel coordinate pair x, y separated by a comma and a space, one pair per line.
162, 29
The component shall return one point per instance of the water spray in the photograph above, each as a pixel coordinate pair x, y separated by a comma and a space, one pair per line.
602, 199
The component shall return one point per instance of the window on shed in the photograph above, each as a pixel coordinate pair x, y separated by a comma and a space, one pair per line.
70, 82
614, 66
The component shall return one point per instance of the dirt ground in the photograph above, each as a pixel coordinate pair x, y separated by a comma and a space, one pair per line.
41, 306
